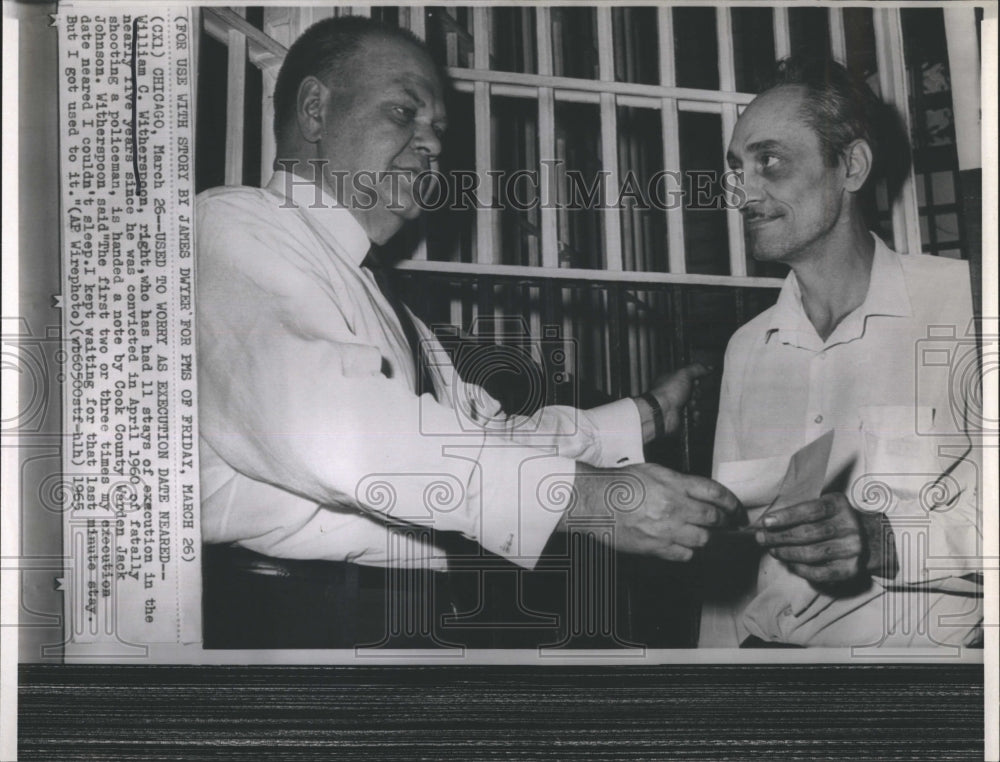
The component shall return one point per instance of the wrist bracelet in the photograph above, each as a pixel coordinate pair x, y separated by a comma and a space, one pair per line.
659, 425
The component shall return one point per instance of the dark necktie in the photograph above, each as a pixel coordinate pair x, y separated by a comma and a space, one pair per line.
452, 543
371, 262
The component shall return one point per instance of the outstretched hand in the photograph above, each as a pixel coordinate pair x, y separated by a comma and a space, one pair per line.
666, 513
673, 391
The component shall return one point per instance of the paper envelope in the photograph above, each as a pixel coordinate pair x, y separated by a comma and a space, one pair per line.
762, 488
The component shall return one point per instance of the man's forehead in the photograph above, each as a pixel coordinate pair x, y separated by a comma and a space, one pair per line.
397, 60
419, 86
774, 118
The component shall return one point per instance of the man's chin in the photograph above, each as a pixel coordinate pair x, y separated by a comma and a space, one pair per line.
764, 250
381, 223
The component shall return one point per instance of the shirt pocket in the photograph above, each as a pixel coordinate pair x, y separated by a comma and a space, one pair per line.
900, 466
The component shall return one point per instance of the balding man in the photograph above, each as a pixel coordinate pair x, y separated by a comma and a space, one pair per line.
887, 556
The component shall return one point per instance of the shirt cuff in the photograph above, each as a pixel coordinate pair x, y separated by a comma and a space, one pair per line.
619, 432
522, 493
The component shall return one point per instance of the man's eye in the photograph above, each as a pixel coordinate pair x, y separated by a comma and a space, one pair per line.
403, 113
768, 161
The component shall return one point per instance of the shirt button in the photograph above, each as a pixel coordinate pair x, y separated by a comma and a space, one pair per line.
818, 419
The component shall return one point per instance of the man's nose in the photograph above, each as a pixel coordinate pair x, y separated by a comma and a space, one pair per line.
751, 190
426, 141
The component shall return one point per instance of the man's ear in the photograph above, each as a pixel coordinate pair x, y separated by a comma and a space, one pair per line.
310, 107
858, 164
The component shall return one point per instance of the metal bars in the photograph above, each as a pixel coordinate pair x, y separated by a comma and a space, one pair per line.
609, 141
235, 102
727, 82
263, 50
892, 80
486, 228
671, 144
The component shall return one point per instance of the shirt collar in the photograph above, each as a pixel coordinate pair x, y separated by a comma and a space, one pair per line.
334, 218
887, 295
887, 292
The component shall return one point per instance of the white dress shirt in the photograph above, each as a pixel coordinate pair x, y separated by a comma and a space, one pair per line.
893, 381
314, 443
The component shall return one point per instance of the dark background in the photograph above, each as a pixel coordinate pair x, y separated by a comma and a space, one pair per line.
502, 713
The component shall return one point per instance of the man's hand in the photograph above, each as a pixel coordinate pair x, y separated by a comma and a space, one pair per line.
827, 541
655, 511
673, 391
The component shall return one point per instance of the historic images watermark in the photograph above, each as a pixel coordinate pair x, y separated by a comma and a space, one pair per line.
554, 186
